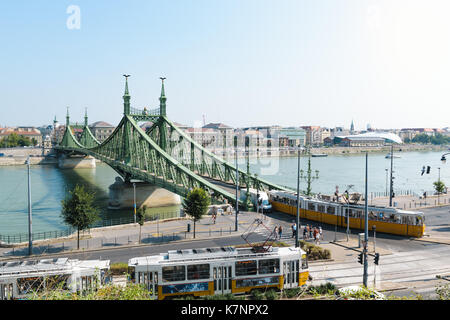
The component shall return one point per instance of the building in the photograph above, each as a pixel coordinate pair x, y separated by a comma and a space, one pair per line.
356, 141
206, 137
101, 130
368, 139
295, 136
28, 132
225, 131
313, 135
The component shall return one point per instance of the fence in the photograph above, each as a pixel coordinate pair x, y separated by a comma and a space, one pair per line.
46, 235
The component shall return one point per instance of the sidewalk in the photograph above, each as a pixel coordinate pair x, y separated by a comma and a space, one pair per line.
152, 232
412, 202
173, 230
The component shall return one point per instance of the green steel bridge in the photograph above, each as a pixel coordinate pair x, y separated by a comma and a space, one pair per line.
163, 155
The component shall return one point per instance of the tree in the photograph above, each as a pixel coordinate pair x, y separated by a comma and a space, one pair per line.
78, 210
140, 219
196, 204
439, 186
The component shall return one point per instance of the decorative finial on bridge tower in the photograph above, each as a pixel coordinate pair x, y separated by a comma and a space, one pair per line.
162, 99
85, 117
126, 96
67, 118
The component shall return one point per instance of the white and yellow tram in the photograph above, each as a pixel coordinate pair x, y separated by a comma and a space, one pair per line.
21, 278
222, 270
386, 219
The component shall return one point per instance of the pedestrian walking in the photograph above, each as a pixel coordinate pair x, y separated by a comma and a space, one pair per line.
280, 231
294, 230
275, 232
304, 233
321, 233
316, 235
311, 232
307, 231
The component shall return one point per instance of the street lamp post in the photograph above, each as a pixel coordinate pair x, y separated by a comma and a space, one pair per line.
134, 196
237, 185
366, 227
298, 197
348, 209
30, 233
387, 171
439, 180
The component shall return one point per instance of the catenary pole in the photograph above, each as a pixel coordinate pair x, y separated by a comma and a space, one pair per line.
366, 227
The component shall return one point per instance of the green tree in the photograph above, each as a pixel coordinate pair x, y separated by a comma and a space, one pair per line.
140, 219
196, 204
78, 210
439, 186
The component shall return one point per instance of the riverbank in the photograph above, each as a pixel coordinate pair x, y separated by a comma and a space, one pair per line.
18, 156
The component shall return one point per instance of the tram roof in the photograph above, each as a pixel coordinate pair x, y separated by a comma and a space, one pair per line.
292, 195
199, 255
48, 266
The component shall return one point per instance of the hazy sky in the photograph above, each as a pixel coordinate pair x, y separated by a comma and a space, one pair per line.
241, 62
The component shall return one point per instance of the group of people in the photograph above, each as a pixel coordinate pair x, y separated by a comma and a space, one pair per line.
311, 232
278, 231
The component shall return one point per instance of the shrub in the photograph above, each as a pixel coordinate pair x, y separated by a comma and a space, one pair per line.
119, 268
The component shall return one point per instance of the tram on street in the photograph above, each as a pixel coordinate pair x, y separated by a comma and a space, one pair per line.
221, 270
386, 219
18, 279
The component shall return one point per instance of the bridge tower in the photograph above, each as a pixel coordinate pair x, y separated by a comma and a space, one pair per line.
162, 114
126, 111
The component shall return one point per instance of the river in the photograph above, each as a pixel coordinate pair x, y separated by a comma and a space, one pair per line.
50, 184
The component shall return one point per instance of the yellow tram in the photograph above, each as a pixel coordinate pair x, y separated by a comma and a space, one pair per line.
223, 270
386, 219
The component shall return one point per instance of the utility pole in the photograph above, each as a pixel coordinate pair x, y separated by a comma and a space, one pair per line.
392, 181
298, 198
134, 193
439, 180
237, 185
366, 229
30, 233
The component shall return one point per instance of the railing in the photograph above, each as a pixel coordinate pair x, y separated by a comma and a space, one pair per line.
23, 237
145, 112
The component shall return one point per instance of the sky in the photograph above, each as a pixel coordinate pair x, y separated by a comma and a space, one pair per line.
240, 62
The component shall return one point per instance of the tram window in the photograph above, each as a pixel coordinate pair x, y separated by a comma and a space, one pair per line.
372, 216
27, 285
174, 273
245, 268
304, 262
311, 206
198, 271
331, 210
321, 208
269, 266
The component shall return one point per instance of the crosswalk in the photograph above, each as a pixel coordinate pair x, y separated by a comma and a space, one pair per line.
286, 235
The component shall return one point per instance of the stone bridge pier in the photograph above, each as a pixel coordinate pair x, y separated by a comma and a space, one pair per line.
78, 162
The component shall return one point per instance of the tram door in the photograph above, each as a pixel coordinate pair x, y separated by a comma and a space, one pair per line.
150, 280
6, 291
290, 273
222, 279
